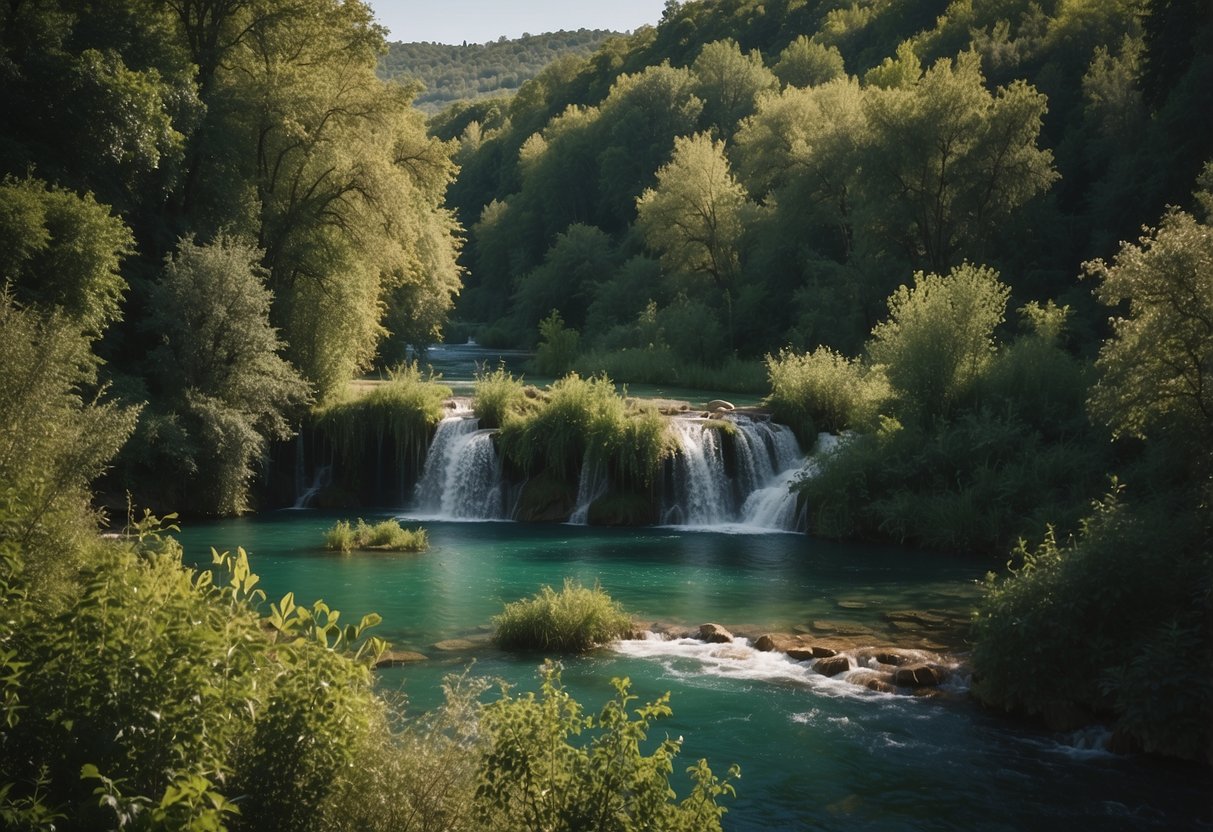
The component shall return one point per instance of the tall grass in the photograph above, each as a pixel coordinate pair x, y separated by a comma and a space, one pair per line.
570, 621
498, 397
584, 421
404, 408
388, 536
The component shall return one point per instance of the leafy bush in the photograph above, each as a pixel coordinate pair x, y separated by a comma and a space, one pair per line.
658, 365
823, 390
1112, 622
155, 696
974, 485
534, 775
388, 536
939, 337
572, 620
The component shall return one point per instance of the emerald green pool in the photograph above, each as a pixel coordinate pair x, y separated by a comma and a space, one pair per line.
814, 753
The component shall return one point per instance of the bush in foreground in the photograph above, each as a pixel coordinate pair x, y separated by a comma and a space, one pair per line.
388, 536
570, 621
533, 777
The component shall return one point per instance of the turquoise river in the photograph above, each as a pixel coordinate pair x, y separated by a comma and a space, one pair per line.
815, 753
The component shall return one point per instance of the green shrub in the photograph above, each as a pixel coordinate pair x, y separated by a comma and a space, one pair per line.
498, 397
939, 337
572, 620
155, 694
1112, 622
387, 536
647, 365
549, 766
823, 390
974, 485
557, 346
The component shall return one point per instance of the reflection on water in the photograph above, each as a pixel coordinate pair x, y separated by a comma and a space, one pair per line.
814, 753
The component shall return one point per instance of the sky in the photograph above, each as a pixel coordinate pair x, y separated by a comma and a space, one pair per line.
478, 21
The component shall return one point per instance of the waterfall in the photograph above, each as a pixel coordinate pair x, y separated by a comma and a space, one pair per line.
462, 475
591, 485
742, 482
701, 486
322, 479
774, 505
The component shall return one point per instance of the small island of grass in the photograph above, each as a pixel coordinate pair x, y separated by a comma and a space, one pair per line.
570, 621
388, 536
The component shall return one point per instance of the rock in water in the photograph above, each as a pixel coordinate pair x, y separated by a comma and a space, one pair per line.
714, 634
833, 665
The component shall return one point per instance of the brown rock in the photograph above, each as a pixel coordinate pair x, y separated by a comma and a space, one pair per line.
891, 657
833, 665
396, 658
714, 634
917, 676
459, 645
765, 643
810, 651
880, 686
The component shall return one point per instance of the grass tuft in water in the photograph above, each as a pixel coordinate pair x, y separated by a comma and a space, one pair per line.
570, 621
388, 536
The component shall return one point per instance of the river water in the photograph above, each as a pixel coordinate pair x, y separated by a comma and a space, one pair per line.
815, 753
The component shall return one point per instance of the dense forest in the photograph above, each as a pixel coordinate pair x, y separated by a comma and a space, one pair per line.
450, 73
972, 237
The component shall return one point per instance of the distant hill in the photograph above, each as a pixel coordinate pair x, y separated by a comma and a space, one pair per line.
478, 70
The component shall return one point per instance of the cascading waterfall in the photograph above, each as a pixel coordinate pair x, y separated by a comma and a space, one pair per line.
766, 461
462, 475
701, 486
774, 505
322, 479
591, 485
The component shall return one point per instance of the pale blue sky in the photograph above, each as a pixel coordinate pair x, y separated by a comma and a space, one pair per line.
477, 21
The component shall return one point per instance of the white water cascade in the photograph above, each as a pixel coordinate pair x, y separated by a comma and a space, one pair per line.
462, 475
322, 479
591, 485
750, 489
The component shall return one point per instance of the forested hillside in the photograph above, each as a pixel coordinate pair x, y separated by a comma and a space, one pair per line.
450, 73
767, 173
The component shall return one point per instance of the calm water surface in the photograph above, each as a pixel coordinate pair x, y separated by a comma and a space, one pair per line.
815, 753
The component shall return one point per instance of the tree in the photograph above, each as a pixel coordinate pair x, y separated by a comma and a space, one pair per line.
693, 218
640, 119
219, 370
62, 251
331, 171
807, 63
729, 83
1157, 368
800, 148
945, 161
939, 337
582, 258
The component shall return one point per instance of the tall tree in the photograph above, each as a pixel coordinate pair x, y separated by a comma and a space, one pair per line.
694, 216
945, 161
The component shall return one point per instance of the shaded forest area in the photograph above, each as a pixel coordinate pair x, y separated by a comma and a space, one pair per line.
449, 73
